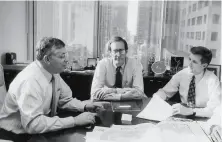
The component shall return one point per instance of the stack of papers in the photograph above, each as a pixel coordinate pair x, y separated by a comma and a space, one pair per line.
157, 109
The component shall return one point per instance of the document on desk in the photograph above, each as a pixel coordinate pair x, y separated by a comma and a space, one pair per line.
119, 133
170, 131
157, 109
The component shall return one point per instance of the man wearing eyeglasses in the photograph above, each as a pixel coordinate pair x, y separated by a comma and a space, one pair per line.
117, 77
34, 95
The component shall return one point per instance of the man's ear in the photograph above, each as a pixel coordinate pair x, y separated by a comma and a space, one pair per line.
46, 59
205, 65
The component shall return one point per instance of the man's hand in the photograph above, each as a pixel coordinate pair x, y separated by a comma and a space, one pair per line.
94, 106
123, 90
112, 97
182, 110
84, 119
131, 95
110, 90
216, 133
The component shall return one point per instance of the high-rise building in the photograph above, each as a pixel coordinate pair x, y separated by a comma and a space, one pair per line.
200, 25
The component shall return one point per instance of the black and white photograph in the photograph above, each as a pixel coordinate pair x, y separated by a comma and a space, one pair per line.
110, 71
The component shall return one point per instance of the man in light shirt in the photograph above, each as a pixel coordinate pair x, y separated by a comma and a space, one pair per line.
117, 77
206, 91
214, 125
36, 92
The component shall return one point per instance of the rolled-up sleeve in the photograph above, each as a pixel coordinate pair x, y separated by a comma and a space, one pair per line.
170, 88
214, 91
66, 101
98, 88
30, 104
214, 120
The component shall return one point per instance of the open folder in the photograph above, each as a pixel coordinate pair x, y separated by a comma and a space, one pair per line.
157, 109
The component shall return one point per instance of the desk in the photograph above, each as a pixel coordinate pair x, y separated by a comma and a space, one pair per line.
77, 134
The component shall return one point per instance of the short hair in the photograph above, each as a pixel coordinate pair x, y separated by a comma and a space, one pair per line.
44, 46
116, 39
205, 53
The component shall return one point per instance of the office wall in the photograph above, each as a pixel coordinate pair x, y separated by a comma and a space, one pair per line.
13, 36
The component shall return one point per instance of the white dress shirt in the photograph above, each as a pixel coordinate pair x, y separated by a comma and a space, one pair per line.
27, 103
207, 90
215, 119
105, 76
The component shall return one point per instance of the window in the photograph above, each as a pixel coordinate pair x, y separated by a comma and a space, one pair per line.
198, 35
205, 19
86, 26
199, 5
193, 21
194, 7
206, 3
188, 35
187, 48
199, 20
214, 52
192, 35
216, 3
203, 35
188, 22
189, 9
184, 12
214, 36
215, 19
67, 21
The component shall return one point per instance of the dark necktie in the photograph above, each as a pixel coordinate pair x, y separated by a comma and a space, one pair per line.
53, 102
191, 93
118, 83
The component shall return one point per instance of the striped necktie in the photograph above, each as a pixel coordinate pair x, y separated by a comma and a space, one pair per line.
53, 102
118, 82
191, 93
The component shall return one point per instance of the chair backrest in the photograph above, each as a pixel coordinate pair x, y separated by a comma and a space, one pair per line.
2, 87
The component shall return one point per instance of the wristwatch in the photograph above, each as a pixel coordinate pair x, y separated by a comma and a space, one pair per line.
192, 115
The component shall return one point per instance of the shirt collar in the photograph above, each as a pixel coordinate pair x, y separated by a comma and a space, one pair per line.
123, 66
44, 71
199, 76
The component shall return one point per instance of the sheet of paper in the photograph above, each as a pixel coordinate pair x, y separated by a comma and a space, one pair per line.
157, 109
174, 131
119, 133
96, 133
96, 140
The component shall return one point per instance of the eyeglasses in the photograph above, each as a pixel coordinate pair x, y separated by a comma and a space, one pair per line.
121, 51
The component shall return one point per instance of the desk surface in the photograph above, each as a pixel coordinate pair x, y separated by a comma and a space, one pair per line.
77, 134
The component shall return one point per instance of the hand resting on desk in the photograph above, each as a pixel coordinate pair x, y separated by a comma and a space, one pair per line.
85, 118
181, 109
131, 95
123, 94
